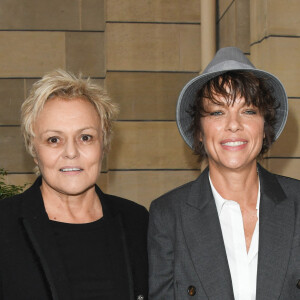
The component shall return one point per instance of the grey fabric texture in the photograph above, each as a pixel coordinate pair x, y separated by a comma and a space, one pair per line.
186, 248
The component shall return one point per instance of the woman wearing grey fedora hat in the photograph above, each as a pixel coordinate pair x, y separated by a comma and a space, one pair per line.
234, 232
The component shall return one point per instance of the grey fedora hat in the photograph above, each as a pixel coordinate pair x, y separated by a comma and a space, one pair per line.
227, 59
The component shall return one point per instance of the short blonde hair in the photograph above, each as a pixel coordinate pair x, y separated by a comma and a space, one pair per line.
66, 85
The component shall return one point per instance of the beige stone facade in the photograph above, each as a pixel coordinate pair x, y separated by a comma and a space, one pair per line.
143, 52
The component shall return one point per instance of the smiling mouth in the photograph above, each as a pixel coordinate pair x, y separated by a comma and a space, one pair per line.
70, 170
234, 144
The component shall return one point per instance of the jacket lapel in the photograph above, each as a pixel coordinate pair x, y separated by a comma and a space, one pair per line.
37, 227
117, 244
276, 230
41, 236
204, 240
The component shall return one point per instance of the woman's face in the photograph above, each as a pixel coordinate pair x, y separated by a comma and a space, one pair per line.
232, 135
68, 145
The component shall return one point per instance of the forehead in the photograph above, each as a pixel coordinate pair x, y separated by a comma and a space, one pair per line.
74, 105
220, 100
58, 112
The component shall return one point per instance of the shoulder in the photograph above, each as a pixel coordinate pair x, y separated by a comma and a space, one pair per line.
15, 202
10, 206
173, 197
180, 194
290, 185
129, 210
279, 186
168, 206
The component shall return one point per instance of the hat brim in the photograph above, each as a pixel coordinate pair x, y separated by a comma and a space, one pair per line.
188, 95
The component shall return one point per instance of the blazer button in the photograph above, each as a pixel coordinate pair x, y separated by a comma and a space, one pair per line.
298, 284
191, 290
140, 297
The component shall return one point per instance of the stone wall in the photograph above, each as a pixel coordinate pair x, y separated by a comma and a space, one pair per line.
143, 52
269, 32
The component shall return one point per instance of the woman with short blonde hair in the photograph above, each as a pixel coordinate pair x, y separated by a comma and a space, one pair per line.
60, 83
64, 238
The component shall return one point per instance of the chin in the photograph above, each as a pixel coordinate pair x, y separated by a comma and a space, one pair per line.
239, 165
75, 190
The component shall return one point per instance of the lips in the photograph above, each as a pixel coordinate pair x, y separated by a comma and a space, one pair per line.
234, 144
70, 169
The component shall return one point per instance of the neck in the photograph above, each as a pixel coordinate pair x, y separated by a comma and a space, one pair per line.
83, 208
237, 185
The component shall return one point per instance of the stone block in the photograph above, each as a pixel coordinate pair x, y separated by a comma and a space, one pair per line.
146, 96
31, 54
13, 156
11, 98
145, 186
93, 15
234, 27
258, 20
154, 11
39, 14
149, 145
227, 28
153, 47
28, 84
223, 6
285, 167
274, 17
280, 56
21, 179
85, 53
284, 17
243, 25
288, 144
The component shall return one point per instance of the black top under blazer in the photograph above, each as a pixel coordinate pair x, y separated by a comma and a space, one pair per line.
31, 267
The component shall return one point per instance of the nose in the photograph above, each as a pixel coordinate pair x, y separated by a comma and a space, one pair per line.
234, 122
71, 149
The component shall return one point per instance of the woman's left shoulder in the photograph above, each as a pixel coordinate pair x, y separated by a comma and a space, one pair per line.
289, 183
285, 182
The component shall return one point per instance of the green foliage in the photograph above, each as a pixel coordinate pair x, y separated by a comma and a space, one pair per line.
8, 190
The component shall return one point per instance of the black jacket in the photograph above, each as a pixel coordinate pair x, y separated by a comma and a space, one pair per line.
29, 270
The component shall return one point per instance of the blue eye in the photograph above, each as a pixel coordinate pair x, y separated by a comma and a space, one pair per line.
216, 113
250, 112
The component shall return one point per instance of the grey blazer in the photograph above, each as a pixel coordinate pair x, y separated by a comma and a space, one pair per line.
186, 250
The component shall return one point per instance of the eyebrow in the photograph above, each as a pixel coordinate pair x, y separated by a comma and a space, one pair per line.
58, 131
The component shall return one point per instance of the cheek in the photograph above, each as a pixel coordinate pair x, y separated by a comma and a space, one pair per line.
261, 130
93, 155
45, 157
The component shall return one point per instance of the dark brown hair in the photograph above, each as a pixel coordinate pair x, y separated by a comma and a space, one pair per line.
230, 86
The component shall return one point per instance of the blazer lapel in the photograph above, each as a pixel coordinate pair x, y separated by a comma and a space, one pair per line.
276, 231
37, 227
204, 240
118, 246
